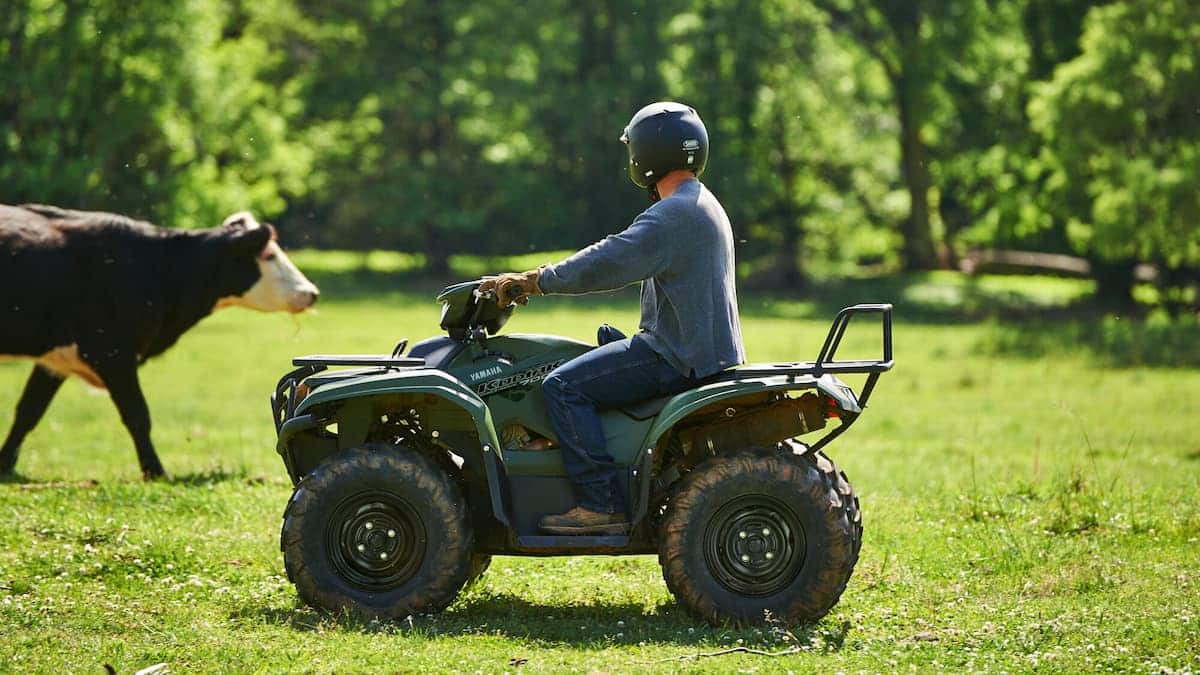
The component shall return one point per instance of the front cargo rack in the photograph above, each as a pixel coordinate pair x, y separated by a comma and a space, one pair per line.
284, 400
358, 360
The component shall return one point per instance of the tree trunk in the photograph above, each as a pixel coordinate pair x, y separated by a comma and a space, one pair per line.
791, 274
595, 71
437, 255
956, 217
918, 251
439, 137
1114, 282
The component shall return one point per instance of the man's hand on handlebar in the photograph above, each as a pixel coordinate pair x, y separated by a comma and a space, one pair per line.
513, 287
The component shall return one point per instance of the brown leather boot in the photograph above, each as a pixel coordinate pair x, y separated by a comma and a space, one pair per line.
539, 444
584, 521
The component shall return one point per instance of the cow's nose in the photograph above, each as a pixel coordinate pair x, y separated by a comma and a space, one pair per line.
312, 297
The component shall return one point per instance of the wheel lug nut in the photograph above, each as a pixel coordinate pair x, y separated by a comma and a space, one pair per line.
383, 556
361, 548
392, 534
745, 558
742, 534
766, 532
769, 555
369, 525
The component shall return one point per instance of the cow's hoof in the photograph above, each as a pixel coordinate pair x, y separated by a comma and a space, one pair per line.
154, 475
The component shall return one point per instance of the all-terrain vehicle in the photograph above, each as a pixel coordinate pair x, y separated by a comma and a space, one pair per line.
411, 471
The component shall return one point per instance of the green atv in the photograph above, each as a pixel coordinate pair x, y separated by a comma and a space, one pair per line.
411, 472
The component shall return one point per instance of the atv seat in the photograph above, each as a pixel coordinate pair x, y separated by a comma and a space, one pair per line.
644, 410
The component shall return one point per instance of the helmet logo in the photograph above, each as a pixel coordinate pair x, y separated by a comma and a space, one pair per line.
691, 144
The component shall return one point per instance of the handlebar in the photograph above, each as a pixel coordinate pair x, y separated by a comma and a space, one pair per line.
493, 295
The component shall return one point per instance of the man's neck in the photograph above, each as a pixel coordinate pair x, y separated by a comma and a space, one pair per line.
668, 184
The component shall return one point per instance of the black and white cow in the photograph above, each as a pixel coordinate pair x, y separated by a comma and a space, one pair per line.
95, 294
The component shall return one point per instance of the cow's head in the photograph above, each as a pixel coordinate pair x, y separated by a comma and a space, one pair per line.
262, 277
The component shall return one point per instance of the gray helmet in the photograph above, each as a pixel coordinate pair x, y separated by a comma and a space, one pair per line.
663, 137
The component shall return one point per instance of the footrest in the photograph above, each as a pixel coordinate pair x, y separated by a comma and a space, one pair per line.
574, 541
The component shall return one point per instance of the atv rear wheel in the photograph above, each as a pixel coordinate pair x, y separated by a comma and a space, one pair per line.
378, 532
479, 564
761, 531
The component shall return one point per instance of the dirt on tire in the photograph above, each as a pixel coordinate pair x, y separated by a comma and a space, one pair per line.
798, 505
355, 508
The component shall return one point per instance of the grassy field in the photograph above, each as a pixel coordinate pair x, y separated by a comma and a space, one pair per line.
1028, 477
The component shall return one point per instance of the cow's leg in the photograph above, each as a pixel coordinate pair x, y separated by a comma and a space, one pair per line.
39, 390
121, 379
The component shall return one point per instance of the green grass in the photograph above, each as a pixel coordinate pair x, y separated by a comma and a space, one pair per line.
1028, 494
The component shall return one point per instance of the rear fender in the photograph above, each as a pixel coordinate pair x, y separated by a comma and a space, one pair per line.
446, 405
687, 403
692, 401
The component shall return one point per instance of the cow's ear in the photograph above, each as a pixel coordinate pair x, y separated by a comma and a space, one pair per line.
241, 219
250, 242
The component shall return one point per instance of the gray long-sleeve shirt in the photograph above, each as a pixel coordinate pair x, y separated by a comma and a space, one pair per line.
681, 249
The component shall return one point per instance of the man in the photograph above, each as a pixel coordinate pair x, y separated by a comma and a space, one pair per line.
681, 249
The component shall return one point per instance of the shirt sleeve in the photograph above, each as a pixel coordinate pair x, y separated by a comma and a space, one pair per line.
639, 252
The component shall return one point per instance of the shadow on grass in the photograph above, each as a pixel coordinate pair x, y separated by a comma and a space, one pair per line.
211, 476
23, 482
1112, 341
575, 625
16, 478
191, 479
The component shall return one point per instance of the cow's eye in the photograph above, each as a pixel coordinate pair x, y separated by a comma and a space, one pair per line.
269, 257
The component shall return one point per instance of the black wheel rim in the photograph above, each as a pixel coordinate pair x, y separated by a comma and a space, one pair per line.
754, 545
375, 540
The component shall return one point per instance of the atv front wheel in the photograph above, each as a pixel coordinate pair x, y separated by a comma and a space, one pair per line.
761, 531
378, 532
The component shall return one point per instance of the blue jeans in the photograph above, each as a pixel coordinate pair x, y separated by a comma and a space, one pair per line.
618, 373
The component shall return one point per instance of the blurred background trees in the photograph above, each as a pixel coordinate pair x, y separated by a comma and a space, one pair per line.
847, 134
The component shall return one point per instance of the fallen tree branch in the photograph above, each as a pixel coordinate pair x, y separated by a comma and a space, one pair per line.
731, 650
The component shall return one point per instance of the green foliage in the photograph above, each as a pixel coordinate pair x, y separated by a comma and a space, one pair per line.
145, 108
1120, 126
845, 132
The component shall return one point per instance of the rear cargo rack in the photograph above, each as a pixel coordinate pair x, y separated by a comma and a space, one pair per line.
826, 361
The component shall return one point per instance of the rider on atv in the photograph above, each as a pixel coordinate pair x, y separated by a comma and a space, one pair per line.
681, 249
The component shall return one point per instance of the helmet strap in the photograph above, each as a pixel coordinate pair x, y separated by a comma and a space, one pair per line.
653, 190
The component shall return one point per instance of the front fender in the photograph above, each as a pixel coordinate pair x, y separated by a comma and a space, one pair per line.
451, 397
408, 381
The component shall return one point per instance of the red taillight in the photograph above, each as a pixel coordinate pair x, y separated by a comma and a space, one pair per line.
831, 409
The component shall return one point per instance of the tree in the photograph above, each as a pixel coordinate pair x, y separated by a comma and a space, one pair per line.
894, 34
141, 107
795, 125
928, 51
1121, 133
